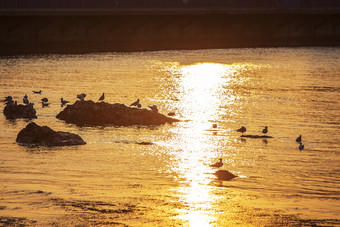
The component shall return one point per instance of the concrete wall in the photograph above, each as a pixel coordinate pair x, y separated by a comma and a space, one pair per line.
101, 33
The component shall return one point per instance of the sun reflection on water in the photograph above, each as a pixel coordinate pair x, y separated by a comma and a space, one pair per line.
203, 94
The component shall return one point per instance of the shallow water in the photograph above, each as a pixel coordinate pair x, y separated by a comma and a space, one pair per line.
115, 180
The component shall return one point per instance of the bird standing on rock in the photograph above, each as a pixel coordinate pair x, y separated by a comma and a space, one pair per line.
136, 103
265, 130
242, 130
25, 100
217, 164
81, 97
154, 108
102, 97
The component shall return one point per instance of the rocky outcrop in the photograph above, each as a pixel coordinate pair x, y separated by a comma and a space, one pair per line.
19, 111
34, 134
102, 113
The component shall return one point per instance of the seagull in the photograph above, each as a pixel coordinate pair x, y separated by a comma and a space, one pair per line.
217, 164
154, 108
242, 130
44, 100
299, 139
44, 104
8, 98
81, 97
301, 147
265, 130
25, 100
102, 97
37, 92
214, 125
136, 103
25, 96
63, 102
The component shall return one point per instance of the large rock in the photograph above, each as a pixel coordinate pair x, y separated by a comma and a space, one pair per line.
19, 111
102, 113
34, 134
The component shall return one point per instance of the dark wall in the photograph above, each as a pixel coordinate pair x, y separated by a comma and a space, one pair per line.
101, 33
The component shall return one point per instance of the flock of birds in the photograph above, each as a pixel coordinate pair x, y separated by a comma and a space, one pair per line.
44, 101
264, 131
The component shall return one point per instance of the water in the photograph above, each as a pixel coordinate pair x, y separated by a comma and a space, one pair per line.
113, 180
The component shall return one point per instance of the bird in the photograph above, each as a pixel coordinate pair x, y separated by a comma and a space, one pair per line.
299, 139
44, 99
63, 102
265, 130
37, 92
8, 98
217, 164
242, 130
214, 125
135, 103
171, 114
154, 108
25, 96
81, 97
44, 104
102, 97
25, 100
301, 147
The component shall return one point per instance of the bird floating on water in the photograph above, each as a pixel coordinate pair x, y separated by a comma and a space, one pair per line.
102, 97
63, 102
44, 99
301, 147
217, 164
265, 130
214, 125
135, 103
299, 139
154, 108
37, 92
242, 130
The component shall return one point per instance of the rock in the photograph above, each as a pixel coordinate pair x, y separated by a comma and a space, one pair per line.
34, 134
224, 175
256, 136
101, 113
19, 111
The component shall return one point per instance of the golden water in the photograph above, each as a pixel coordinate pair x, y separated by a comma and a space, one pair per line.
113, 180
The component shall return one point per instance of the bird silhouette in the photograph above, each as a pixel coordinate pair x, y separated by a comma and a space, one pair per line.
81, 97
135, 103
242, 130
301, 147
265, 130
299, 139
217, 164
37, 92
25, 100
102, 97
154, 108
63, 102
44, 99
